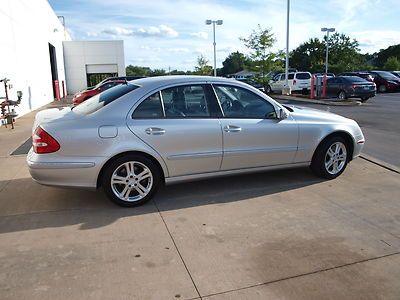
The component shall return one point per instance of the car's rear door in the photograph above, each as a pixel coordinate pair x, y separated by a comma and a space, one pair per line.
181, 124
277, 83
253, 136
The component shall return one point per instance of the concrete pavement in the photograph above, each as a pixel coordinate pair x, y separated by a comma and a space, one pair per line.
277, 235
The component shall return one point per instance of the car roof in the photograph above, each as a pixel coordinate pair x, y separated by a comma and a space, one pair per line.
181, 79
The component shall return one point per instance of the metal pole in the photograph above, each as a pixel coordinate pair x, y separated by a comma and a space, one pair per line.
215, 53
287, 45
327, 46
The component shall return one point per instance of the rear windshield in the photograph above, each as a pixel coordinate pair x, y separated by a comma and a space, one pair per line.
100, 100
355, 79
303, 76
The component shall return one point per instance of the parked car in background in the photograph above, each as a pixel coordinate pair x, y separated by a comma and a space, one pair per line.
328, 75
134, 137
124, 78
100, 87
345, 87
253, 83
385, 81
298, 82
365, 75
396, 73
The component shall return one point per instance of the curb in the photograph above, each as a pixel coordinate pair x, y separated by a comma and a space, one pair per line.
380, 163
323, 102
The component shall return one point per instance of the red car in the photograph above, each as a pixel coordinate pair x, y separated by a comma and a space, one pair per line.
90, 92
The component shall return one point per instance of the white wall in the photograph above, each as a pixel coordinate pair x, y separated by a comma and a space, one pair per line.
26, 28
100, 55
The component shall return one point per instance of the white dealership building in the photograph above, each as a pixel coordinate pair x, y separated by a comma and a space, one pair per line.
39, 58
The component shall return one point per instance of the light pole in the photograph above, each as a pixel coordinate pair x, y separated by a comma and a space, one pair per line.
287, 90
327, 30
216, 22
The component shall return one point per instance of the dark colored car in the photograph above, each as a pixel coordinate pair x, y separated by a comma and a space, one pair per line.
90, 92
345, 87
253, 83
386, 81
365, 75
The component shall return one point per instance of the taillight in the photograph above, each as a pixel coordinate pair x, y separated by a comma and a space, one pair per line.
43, 142
294, 81
354, 86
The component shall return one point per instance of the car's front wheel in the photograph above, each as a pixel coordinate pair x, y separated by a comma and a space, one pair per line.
330, 159
382, 88
268, 89
130, 180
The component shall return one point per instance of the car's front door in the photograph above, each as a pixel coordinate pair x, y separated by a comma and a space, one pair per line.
181, 124
277, 83
253, 136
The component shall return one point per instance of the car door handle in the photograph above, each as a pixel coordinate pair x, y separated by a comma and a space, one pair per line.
232, 128
155, 131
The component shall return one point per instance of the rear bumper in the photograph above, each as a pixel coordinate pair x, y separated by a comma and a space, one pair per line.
361, 94
71, 172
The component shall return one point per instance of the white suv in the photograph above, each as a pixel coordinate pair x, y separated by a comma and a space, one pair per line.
298, 81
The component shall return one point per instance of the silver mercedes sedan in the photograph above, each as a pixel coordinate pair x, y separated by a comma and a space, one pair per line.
137, 136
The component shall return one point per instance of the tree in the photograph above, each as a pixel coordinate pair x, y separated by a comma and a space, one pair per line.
309, 56
260, 43
383, 55
392, 64
235, 62
344, 55
137, 71
202, 67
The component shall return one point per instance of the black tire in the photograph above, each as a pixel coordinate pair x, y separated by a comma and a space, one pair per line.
268, 90
139, 163
318, 163
382, 88
342, 95
364, 99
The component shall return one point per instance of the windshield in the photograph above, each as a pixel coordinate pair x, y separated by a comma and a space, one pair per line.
387, 75
100, 100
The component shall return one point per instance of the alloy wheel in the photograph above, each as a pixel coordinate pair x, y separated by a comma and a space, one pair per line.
335, 158
131, 181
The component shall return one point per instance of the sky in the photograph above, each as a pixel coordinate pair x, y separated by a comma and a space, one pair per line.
171, 34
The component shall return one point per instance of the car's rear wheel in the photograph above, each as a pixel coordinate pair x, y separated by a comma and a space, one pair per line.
342, 95
364, 99
382, 88
130, 180
330, 159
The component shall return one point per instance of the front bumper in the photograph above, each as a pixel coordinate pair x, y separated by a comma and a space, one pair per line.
48, 169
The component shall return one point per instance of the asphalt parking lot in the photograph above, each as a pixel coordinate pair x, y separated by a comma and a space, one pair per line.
277, 235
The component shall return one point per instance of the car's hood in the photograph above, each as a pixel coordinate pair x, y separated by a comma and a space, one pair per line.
52, 114
315, 115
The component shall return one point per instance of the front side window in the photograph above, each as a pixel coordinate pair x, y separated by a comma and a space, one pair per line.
187, 101
237, 102
150, 108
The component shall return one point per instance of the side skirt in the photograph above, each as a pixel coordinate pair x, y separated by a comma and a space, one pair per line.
193, 177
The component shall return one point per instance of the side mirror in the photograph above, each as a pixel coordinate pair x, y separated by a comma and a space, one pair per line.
282, 114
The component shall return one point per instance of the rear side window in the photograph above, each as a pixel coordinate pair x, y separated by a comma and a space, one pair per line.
187, 101
150, 108
100, 100
303, 76
290, 76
